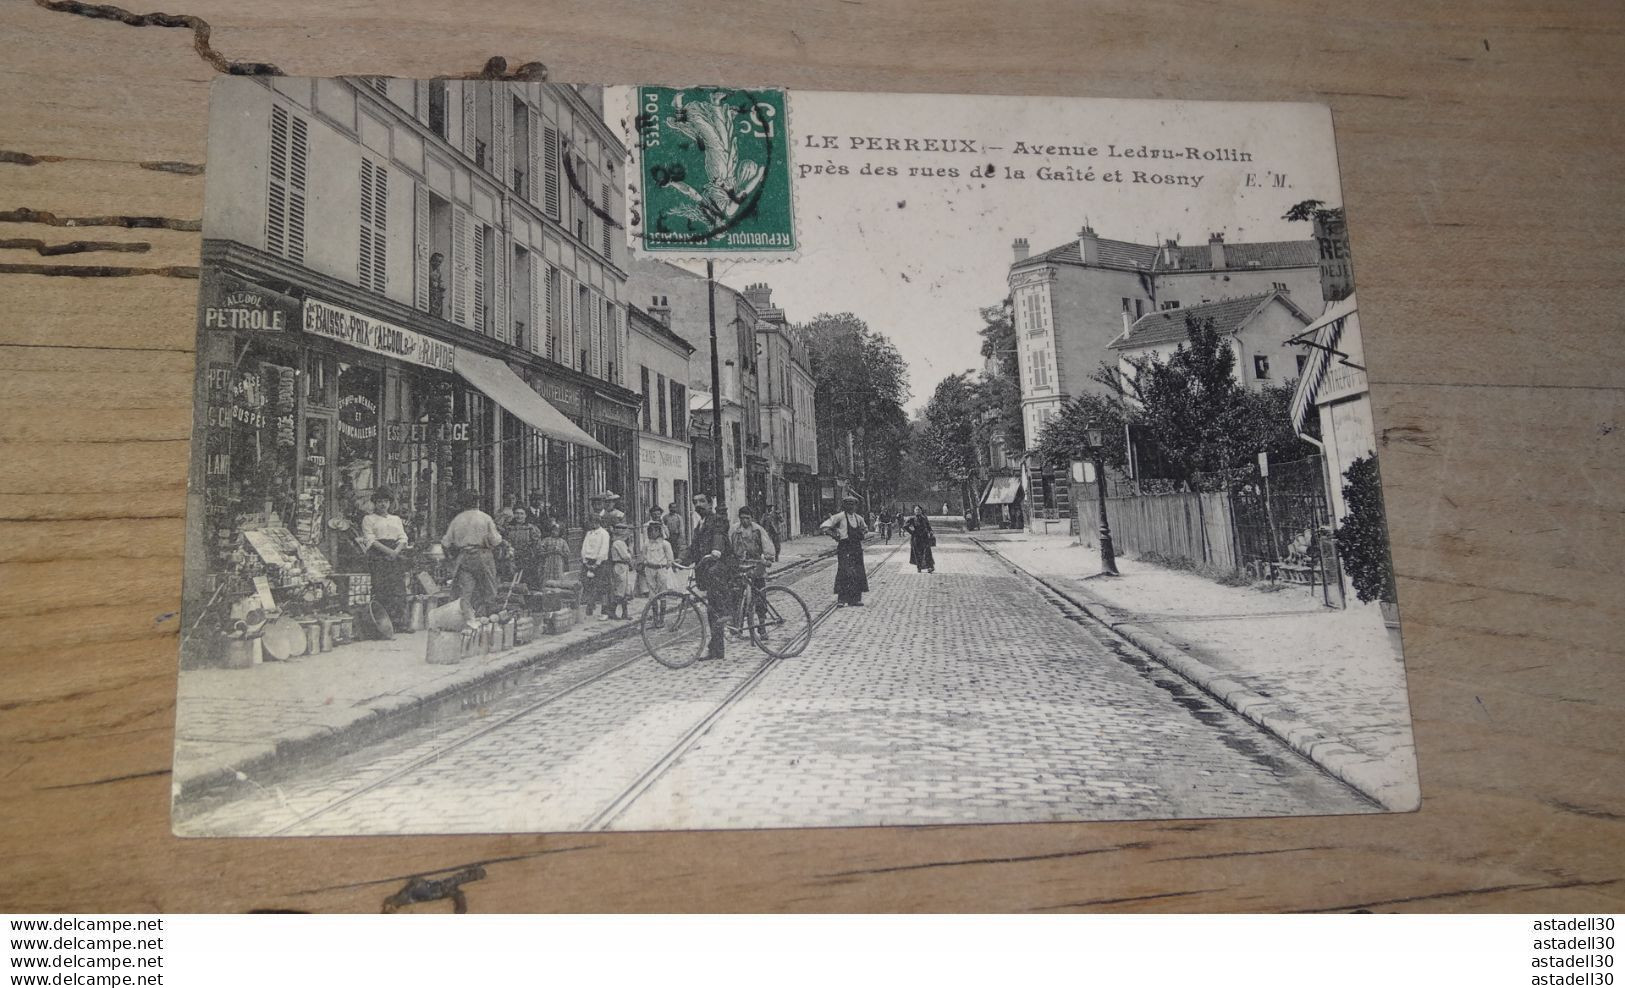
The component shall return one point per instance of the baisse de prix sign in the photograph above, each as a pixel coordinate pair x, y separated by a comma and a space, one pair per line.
322, 319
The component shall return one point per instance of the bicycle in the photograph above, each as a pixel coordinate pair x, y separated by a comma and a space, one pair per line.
676, 631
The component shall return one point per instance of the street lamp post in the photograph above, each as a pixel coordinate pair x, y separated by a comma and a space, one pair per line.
716, 392
1108, 559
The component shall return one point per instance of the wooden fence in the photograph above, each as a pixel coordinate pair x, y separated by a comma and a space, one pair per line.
1199, 527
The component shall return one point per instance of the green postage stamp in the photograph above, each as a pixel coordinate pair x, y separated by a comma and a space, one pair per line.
716, 171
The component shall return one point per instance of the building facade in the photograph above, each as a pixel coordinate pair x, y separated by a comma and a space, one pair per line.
786, 397
1072, 301
683, 301
1257, 328
411, 283
801, 464
659, 361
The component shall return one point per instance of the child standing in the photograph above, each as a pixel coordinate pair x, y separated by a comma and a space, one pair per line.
657, 560
621, 583
595, 569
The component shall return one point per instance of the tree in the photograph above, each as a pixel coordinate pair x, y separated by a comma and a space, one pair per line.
1066, 437
999, 393
1201, 423
1362, 536
861, 387
949, 437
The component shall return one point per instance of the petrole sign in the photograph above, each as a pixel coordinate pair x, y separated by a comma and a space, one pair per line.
322, 319
232, 304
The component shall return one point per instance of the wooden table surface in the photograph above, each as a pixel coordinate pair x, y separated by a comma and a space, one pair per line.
1481, 154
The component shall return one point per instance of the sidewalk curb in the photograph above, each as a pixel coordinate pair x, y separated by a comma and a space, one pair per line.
394, 714
1335, 756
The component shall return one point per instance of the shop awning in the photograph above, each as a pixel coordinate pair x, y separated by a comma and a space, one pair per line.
503, 386
1003, 490
1321, 337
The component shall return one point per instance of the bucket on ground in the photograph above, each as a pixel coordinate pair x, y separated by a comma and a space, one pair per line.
450, 616
445, 647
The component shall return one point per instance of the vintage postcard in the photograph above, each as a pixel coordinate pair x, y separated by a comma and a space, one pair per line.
570, 458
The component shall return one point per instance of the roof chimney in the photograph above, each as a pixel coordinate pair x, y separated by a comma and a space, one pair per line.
1215, 247
1170, 253
1019, 245
660, 309
759, 296
1088, 245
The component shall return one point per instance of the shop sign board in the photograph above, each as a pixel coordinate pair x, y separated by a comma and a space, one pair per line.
357, 330
231, 304
423, 432
565, 397
358, 416
1332, 241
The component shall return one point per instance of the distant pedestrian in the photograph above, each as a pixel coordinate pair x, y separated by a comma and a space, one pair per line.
676, 530
437, 284
526, 542
553, 552
886, 517
848, 528
769, 520
921, 539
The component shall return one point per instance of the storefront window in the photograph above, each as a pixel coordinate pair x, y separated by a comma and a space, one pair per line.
310, 508
251, 444
433, 450
356, 470
321, 370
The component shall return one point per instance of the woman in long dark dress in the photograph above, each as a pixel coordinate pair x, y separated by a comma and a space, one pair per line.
847, 528
921, 539
383, 538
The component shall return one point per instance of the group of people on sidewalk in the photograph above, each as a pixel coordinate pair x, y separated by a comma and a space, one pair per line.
483, 553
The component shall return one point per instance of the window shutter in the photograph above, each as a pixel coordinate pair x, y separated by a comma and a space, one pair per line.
550, 174
469, 129
660, 398
567, 324
298, 159
480, 261
502, 320
380, 222
595, 326
364, 258
551, 300
421, 101
460, 266
603, 222
583, 329
276, 202
533, 190
537, 320
501, 107
620, 342
285, 189
420, 243
648, 397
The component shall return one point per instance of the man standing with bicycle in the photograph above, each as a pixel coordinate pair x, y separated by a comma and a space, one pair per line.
753, 549
711, 554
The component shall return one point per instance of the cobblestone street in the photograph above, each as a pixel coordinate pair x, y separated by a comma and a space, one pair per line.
967, 695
